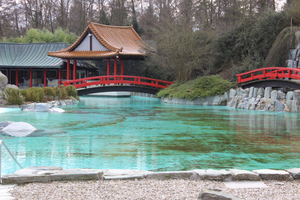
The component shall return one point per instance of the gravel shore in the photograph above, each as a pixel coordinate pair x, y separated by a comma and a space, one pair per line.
149, 189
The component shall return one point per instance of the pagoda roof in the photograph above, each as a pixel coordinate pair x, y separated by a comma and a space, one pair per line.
32, 55
106, 41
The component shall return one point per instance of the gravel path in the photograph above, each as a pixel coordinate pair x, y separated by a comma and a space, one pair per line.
149, 189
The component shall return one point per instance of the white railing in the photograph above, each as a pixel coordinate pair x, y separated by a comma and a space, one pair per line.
1, 142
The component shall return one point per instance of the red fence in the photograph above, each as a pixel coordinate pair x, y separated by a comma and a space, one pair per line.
118, 80
269, 73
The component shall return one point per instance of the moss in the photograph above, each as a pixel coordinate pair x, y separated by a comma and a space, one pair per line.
199, 88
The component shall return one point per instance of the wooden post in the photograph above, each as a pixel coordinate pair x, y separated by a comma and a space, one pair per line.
45, 77
68, 69
30, 77
59, 76
108, 66
17, 77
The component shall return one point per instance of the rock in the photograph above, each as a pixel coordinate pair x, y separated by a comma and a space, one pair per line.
41, 170
211, 174
244, 175
281, 95
210, 194
41, 107
267, 93
232, 93
11, 86
62, 103
3, 80
274, 96
240, 91
296, 95
289, 95
5, 124
124, 172
293, 106
77, 175
14, 179
28, 107
251, 92
170, 175
125, 177
57, 110
19, 129
270, 174
295, 172
261, 92
255, 91
278, 106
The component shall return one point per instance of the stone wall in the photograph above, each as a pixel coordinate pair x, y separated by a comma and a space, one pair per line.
218, 100
264, 99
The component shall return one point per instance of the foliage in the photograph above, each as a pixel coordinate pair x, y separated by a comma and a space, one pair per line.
71, 91
44, 36
13, 96
293, 11
35, 94
201, 87
182, 53
49, 93
281, 47
247, 52
61, 92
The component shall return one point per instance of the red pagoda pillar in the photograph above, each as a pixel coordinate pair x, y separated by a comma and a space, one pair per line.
30, 77
59, 76
68, 69
45, 77
17, 77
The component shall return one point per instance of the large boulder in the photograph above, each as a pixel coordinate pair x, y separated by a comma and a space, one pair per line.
296, 95
11, 86
274, 96
267, 93
3, 81
19, 129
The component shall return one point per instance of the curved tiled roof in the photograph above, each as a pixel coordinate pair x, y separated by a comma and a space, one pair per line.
32, 55
119, 40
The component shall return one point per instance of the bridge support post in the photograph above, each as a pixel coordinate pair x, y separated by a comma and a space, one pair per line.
68, 69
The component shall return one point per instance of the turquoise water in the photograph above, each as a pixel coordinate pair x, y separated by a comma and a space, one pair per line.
142, 133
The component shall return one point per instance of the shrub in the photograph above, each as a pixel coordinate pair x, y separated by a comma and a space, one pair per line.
49, 93
71, 91
13, 96
61, 92
201, 87
35, 94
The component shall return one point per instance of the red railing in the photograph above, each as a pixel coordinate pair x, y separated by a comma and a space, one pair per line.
269, 73
117, 80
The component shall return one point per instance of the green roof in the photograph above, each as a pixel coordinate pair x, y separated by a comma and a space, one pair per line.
32, 55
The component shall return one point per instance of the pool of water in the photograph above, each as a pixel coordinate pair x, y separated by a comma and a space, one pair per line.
142, 133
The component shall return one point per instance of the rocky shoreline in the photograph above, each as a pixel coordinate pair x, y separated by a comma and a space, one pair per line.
262, 99
56, 183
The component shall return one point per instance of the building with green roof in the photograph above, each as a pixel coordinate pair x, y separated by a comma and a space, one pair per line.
28, 65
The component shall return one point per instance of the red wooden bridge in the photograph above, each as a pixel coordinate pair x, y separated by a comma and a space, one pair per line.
117, 83
271, 77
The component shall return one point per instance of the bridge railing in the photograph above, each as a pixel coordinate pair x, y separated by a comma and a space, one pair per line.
115, 80
269, 73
